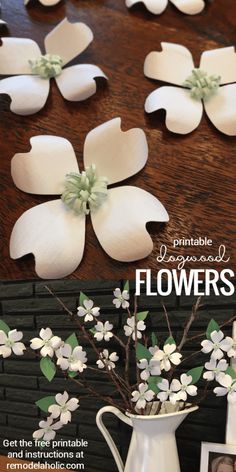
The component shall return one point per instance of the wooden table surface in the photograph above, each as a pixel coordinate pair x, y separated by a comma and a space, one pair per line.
193, 175
5, 461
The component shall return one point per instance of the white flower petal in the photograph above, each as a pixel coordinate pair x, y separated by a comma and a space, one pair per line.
141, 403
225, 380
5, 351
55, 342
173, 64
221, 109
209, 376
46, 3
186, 379
183, 113
65, 417
217, 336
117, 293
15, 54
76, 83
88, 304
47, 351
42, 170
45, 334
49, 435
117, 154
3, 337
143, 388
54, 234
120, 223
220, 391
169, 348
176, 358
72, 404
38, 434
63, 363
54, 410
36, 343
207, 346
163, 396
153, 6
192, 390
220, 62
15, 335
163, 385
149, 395
18, 349
61, 398
66, 350
68, 40
190, 7
28, 93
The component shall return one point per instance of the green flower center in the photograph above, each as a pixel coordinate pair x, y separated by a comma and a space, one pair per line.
9, 343
202, 85
85, 191
47, 66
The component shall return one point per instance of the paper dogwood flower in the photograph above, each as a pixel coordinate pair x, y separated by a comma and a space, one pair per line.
190, 7
55, 231
47, 430
212, 87
63, 407
46, 3
32, 71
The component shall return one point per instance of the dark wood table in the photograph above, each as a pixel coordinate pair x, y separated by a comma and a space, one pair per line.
193, 175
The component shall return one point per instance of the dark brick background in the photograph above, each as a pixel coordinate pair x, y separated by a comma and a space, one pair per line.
29, 307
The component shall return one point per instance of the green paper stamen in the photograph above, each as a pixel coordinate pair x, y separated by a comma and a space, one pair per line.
85, 191
202, 85
47, 66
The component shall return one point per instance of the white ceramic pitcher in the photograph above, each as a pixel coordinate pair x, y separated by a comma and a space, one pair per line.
153, 445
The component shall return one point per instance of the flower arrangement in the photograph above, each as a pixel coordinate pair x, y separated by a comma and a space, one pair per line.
160, 377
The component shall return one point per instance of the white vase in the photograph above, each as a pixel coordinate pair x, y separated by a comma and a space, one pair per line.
153, 445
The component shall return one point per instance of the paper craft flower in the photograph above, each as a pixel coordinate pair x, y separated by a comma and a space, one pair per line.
217, 345
55, 231
168, 356
46, 3
10, 343
212, 86
167, 391
63, 407
215, 369
228, 388
88, 311
47, 343
47, 430
149, 368
71, 359
142, 396
103, 331
121, 299
190, 7
129, 328
29, 88
184, 387
107, 360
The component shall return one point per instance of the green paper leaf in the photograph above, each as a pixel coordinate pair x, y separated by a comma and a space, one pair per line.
142, 352
170, 340
72, 340
48, 368
126, 286
231, 372
154, 340
212, 326
45, 403
82, 297
152, 383
196, 374
72, 374
4, 327
93, 330
142, 315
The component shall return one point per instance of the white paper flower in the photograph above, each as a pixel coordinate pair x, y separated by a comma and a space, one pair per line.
88, 310
167, 391
217, 345
183, 388
211, 85
10, 343
168, 356
47, 430
121, 299
129, 328
63, 407
71, 359
190, 7
31, 71
149, 368
103, 331
228, 388
214, 369
47, 343
107, 360
46, 3
54, 232
142, 396
153, 350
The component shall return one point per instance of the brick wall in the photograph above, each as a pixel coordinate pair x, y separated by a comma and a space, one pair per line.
28, 306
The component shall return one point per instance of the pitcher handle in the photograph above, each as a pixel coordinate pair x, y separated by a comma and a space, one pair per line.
106, 434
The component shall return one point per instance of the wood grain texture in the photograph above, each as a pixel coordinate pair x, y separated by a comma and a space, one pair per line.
193, 176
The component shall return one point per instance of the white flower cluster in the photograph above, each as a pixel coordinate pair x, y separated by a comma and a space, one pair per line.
216, 369
61, 411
